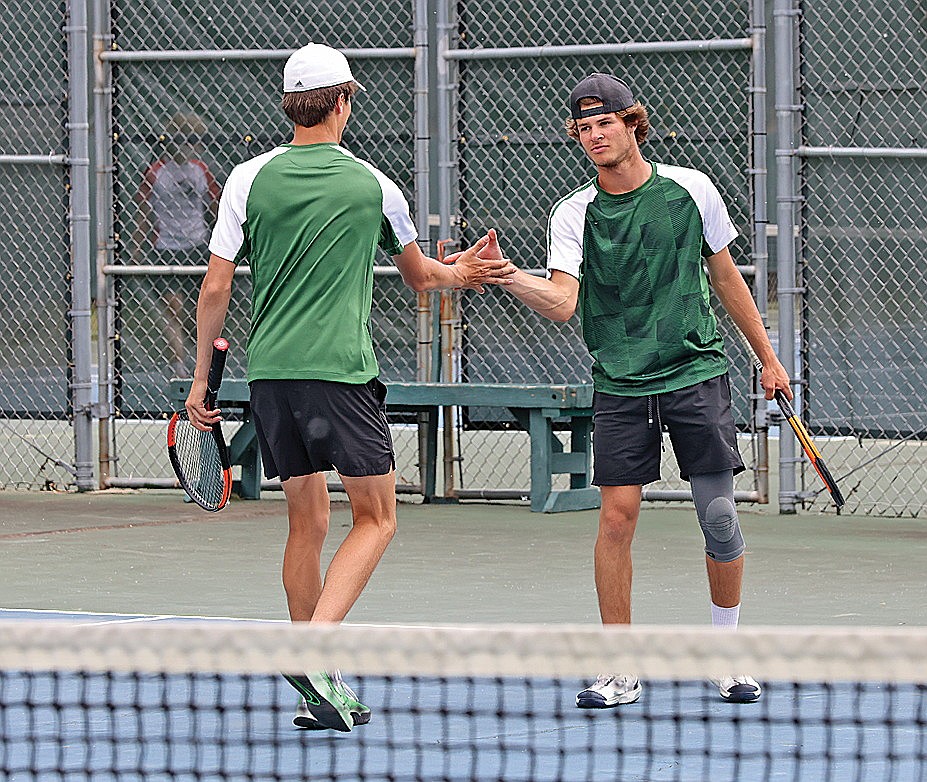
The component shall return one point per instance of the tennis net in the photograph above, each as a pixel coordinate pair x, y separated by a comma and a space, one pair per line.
205, 701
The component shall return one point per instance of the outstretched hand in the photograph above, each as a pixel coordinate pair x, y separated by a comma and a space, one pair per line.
482, 264
492, 250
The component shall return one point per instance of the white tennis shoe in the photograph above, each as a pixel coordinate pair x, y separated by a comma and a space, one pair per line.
610, 691
738, 689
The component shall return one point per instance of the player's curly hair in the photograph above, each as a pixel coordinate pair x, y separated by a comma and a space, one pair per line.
636, 113
313, 106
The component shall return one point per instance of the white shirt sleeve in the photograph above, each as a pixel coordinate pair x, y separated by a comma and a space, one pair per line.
565, 233
228, 234
718, 229
395, 207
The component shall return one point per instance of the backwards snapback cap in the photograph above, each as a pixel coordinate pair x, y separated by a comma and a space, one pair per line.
314, 66
614, 94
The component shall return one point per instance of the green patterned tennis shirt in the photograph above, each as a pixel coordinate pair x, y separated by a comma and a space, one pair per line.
643, 293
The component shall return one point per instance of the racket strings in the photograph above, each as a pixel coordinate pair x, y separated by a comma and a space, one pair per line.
200, 463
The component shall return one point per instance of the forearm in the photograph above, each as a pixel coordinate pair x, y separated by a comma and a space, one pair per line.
211, 309
431, 275
738, 302
543, 296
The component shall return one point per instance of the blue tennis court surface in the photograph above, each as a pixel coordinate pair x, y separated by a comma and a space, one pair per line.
198, 726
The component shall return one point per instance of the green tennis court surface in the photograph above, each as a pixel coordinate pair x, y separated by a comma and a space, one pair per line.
150, 553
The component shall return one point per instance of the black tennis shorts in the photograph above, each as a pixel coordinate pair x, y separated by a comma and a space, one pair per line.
309, 426
627, 433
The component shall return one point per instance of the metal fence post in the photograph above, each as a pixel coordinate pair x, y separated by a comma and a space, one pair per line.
103, 143
447, 163
758, 178
425, 301
785, 15
447, 170
79, 162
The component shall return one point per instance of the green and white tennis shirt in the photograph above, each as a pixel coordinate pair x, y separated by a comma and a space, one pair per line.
309, 219
643, 293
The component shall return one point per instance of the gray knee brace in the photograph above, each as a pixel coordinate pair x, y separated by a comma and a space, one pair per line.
714, 502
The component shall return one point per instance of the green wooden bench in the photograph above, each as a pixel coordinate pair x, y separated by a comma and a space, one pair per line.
536, 408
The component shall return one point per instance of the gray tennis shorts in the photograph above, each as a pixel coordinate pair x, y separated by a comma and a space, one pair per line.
628, 433
309, 426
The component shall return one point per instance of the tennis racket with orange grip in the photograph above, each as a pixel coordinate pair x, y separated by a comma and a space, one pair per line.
807, 444
201, 459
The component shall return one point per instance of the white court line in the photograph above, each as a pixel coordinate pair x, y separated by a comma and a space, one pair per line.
126, 618
119, 618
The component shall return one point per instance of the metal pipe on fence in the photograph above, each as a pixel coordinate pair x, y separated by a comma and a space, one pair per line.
449, 309
422, 131
450, 341
593, 49
222, 55
446, 160
34, 160
900, 153
425, 300
273, 485
166, 270
105, 168
81, 256
760, 249
785, 17
450, 331
683, 495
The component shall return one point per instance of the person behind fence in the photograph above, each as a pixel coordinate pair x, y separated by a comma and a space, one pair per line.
177, 203
309, 216
627, 252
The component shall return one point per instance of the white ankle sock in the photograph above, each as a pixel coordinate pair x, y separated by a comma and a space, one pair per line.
725, 617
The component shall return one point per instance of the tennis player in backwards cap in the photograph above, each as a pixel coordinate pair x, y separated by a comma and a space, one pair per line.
309, 216
627, 251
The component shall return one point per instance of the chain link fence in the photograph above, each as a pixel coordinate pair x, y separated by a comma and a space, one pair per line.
464, 108
181, 120
514, 161
179, 109
862, 259
36, 440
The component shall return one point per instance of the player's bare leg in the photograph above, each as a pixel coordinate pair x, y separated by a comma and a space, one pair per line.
613, 570
724, 581
617, 522
373, 506
335, 704
308, 509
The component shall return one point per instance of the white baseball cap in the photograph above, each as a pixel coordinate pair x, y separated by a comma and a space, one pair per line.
316, 65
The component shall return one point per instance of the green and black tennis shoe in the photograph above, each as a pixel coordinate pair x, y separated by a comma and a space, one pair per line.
327, 702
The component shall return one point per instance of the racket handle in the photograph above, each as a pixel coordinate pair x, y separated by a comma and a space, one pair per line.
784, 404
220, 347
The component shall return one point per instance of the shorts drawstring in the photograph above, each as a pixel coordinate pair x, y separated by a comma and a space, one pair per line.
654, 402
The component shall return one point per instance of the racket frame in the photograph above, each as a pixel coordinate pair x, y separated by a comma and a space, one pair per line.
801, 433
220, 348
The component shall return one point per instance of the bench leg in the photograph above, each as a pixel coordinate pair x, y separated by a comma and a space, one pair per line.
244, 450
541, 430
581, 442
428, 452
548, 459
